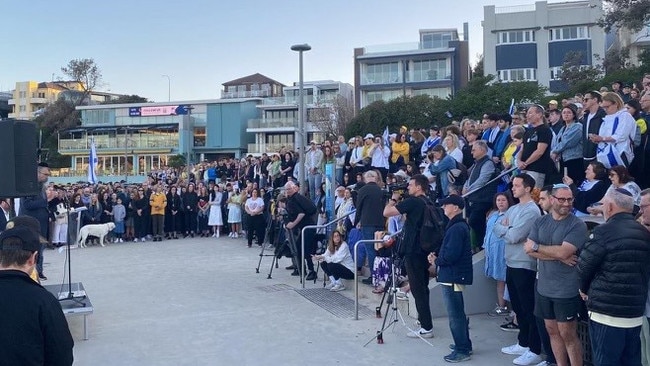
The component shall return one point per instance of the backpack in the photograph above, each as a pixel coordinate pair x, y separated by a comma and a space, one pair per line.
432, 229
458, 175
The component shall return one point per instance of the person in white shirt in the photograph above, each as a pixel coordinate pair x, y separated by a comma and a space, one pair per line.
314, 168
379, 157
337, 262
618, 128
450, 143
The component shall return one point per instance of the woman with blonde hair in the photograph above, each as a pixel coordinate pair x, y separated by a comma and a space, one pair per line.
616, 133
451, 145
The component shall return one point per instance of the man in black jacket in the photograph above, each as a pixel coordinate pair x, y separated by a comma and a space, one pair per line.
302, 212
34, 329
591, 121
614, 268
369, 205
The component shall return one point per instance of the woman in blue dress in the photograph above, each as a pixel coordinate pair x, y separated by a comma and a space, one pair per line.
495, 261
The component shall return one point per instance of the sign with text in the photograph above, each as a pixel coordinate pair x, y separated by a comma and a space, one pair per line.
166, 110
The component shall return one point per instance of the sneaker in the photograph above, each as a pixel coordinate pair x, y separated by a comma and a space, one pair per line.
546, 363
121, 240
421, 333
457, 357
290, 267
453, 348
143, 239
135, 240
42, 277
515, 349
401, 295
528, 358
499, 311
338, 287
509, 327
311, 276
329, 286
214, 235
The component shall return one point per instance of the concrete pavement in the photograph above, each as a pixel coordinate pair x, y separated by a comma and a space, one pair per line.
199, 302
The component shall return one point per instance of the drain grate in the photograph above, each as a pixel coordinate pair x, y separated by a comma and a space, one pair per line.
275, 288
334, 302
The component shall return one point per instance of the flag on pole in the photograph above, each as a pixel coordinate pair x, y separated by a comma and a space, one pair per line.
511, 110
92, 163
386, 137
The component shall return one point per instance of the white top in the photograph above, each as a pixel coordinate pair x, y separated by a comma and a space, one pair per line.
342, 255
380, 157
456, 154
625, 132
357, 155
255, 204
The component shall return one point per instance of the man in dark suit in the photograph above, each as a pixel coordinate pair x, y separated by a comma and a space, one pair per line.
36, 207
5, 204
591, 121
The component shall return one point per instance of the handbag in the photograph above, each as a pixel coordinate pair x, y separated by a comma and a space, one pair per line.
609, 155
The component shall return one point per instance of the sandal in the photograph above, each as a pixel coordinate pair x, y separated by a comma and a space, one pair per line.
378, 290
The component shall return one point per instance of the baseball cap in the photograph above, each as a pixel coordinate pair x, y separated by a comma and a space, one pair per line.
453, 200
29, 222
29, 239
369, 136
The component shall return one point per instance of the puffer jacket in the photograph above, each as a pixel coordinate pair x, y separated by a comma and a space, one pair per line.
455, 259
614, 267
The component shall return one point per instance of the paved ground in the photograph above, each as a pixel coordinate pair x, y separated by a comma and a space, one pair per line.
199, 302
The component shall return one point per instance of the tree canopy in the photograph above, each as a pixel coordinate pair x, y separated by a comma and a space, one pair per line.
632, 14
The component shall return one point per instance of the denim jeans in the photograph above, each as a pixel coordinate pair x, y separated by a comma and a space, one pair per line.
615, 346
314, 179
368, 233
457, 319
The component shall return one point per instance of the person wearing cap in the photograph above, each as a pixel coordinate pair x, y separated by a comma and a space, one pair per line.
454, 268
34, 329
613, 271
314, 168
36, 207
552, 104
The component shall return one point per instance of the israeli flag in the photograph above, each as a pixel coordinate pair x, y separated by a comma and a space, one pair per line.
511, 110
386, 137
92, 163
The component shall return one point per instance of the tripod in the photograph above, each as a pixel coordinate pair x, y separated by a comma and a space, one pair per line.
75, 296
270, 240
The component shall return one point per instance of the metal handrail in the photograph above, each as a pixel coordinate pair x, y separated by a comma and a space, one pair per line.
356, 272
505, 172
301, 265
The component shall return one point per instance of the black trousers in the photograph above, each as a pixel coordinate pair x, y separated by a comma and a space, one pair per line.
417, 267
476, 212
158, 224
257, 225
190, 221
337, 270
310, 246
521, 286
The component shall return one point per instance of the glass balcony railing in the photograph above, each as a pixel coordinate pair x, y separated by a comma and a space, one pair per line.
272, 122
268, 148
132, 142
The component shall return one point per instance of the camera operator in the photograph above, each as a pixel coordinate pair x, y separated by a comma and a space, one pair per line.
415, 259
368, 218
302, 212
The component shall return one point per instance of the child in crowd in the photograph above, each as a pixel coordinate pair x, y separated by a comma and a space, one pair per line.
118, 213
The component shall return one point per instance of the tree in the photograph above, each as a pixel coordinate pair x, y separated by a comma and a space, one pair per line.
332, 117
576, 74
127, 99
631, 14
479, 68
176, 161
85, 72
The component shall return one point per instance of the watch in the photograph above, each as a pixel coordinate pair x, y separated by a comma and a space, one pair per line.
535, 247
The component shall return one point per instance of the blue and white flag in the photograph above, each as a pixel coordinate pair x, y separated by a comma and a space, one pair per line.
386, 137
511, 110
92, 163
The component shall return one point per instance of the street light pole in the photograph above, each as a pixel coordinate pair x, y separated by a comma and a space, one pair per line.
301, 137
169, 87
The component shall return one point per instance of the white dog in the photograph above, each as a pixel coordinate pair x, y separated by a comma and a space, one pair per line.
99, 230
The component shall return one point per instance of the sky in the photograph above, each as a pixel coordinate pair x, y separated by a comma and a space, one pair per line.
200, 44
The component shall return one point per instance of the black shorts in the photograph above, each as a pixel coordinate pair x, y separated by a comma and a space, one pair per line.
562, 310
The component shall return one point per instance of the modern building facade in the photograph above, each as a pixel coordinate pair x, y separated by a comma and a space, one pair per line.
437, 66
276, 125
252, 86
531, 42
134, 139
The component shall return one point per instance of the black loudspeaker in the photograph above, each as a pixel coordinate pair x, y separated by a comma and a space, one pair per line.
18, 160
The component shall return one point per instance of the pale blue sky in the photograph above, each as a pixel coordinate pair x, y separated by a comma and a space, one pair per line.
201, 44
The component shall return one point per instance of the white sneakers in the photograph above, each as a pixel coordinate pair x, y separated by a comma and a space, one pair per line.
420, 333
515, 349
528, 358
337, 287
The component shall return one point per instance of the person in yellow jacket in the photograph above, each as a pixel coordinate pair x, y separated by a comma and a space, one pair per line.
158, 202
400, 149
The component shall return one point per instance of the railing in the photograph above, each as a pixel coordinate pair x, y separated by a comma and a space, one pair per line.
503, 173
356, 273
514, 9
272, 122
132, 142
302, 242
268, 148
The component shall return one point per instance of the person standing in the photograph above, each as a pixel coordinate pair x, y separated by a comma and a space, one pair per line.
254, 207
34, 329
554, 241
368, 217
415, 258
314, 168
301, 212
591, 119
480, 193
118, 213
36, 207
534, 157
521, 269
454, 264
158, 202
613, 271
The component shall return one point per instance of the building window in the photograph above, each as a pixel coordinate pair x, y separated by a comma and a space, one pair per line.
22, 108
556, 73
22, 94
518, 75
436, 40
522, 36
441, 93
429, 70
385, 95
199, 136
568, 33
388, 73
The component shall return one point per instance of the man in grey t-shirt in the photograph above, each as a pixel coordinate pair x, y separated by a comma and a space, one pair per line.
555, 240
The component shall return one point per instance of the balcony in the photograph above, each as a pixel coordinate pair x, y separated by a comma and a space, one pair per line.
245, 94
272, 123
119, 143
38, 101
12, 101
268, 148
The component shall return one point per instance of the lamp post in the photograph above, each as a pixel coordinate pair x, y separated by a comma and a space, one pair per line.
301, 137
169, 87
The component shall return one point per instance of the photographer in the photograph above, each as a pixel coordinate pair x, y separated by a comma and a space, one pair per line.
302, 212
368, 217
415, 259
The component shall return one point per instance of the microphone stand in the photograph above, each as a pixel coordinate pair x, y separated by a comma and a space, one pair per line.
79, 298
